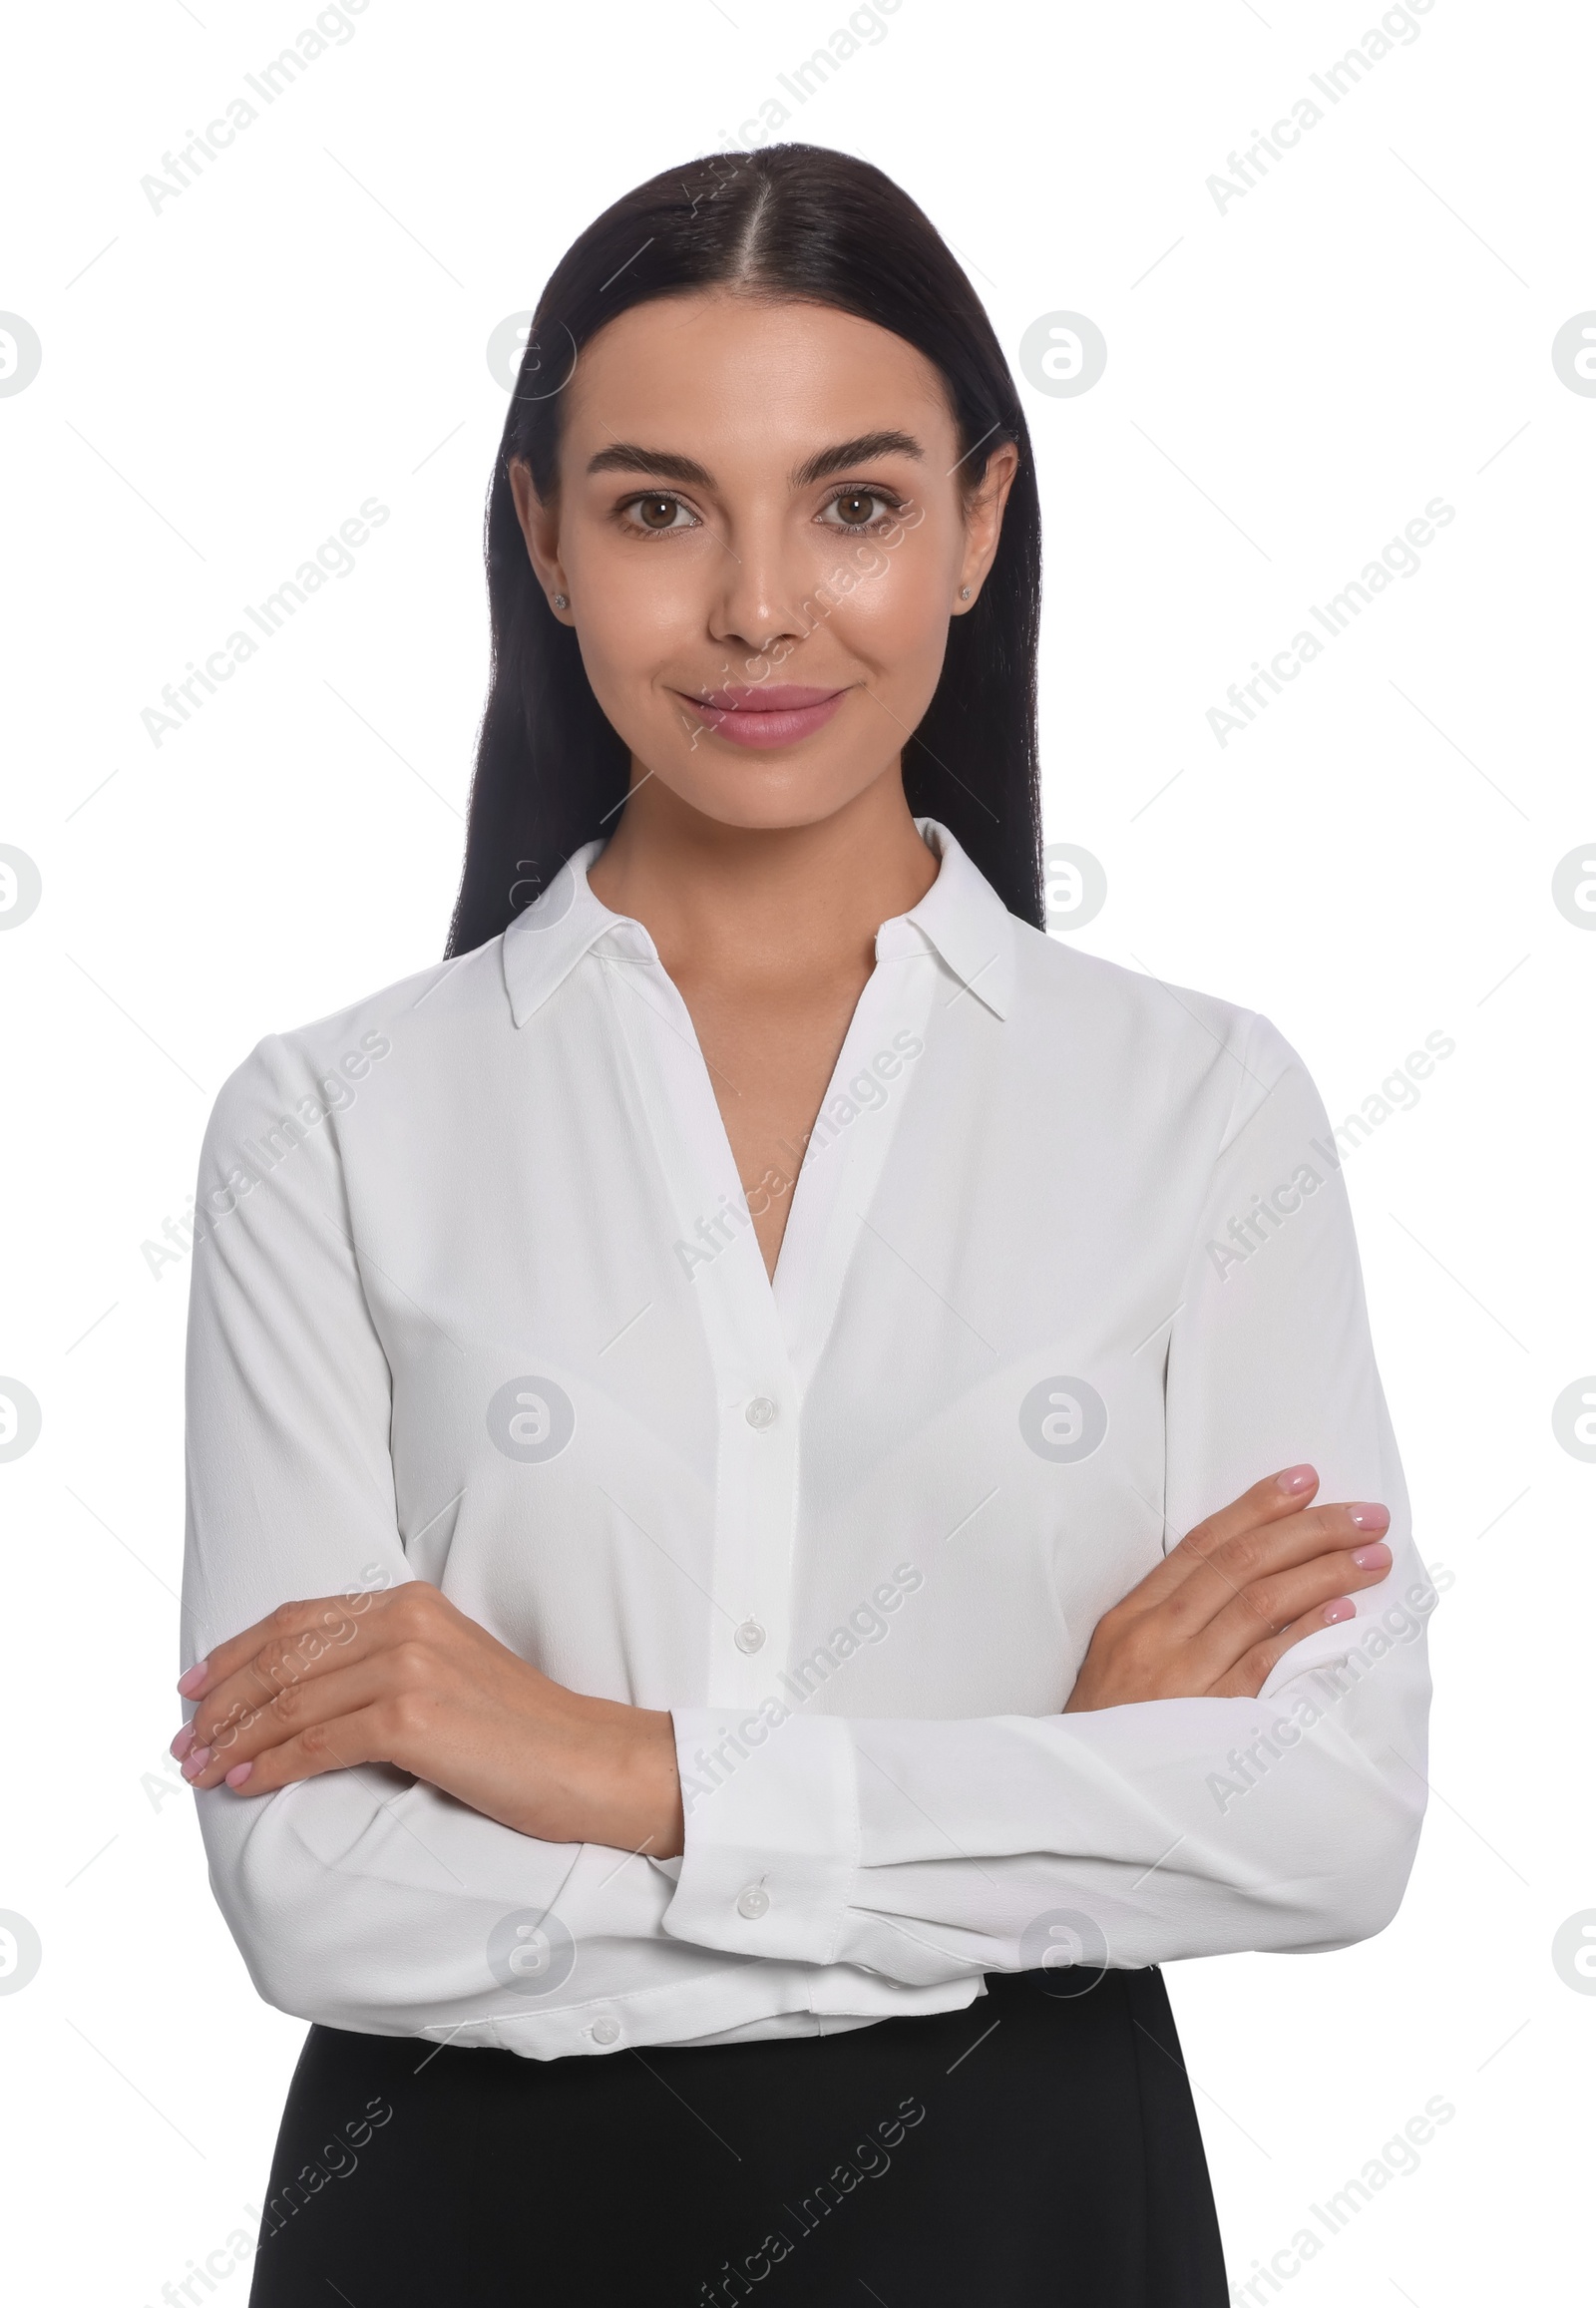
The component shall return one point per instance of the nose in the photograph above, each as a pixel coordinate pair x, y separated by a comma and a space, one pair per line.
761, 599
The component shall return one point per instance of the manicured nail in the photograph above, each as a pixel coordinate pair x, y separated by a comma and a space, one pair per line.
1296, 1479
237, 1775
195, 1764
194, 1682
1334, 1613
184, 1741
1376, 1558
1370, 1517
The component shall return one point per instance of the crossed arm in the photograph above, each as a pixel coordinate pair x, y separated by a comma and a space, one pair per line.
434, 1780
401, 1675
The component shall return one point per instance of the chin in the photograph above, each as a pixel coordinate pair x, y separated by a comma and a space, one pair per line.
770, 799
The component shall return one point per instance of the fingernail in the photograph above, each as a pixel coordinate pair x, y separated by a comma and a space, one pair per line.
192, 1683
194, 1765
1376, 1558
237, 1775
1334, 1613
1370, 1517
1296, 1479
183, 1742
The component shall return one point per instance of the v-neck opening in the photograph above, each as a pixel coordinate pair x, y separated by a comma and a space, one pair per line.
802, 1182
791, 1308
786, 1313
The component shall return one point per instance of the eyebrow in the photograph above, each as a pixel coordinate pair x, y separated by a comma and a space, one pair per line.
628, 457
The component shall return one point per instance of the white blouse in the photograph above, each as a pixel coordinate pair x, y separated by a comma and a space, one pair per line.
1069, 1263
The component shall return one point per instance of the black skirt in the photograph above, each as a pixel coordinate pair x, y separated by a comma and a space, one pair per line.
1040, 2146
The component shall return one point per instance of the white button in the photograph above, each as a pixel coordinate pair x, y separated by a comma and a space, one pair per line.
606, 2030
761, 1412
749, 1634
754, 1902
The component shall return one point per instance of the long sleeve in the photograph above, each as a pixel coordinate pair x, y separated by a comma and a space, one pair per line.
929, 1850
362, 1898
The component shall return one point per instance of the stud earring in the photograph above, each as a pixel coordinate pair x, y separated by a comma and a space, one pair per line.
964, 592
560, 602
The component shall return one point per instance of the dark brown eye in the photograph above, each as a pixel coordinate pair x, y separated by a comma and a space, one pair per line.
657, 511
855, 507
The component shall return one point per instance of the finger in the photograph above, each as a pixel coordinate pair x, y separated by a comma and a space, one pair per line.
332, 1617
1269, 1501
297, 1641
226, 1739
366, 1737
311, 1626
288, 1651
1238, 1562
1252, 1671
1255, 1620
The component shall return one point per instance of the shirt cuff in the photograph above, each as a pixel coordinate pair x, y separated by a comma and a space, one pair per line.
771, 1846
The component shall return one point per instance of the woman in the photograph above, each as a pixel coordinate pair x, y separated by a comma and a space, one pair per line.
738, 1597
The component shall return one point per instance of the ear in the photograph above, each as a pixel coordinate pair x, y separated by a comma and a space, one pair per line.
984, 520
540, 525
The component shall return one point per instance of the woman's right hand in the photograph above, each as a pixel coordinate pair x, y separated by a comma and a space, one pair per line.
1226, 1604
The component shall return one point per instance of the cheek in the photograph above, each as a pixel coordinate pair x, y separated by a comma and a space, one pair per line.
897, 621
632, 622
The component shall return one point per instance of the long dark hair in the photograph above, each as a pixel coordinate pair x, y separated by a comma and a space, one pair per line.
789, 221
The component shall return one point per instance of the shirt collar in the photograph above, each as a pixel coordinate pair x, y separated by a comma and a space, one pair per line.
961, 917
543, 944
965, 919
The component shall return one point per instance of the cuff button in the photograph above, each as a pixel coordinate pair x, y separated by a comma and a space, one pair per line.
753, 1902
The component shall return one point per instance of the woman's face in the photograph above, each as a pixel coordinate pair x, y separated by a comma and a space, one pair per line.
759, 532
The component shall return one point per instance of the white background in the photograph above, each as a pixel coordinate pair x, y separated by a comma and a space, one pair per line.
1289, 381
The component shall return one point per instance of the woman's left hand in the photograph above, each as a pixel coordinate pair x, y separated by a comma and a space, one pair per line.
401, 1675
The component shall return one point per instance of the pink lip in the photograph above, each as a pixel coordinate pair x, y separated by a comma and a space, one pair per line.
767, 717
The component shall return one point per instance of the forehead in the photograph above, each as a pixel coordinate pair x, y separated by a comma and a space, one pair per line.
736, 379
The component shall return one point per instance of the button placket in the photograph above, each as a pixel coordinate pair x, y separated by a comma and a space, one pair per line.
756, 1520
842, 1171
750, 1570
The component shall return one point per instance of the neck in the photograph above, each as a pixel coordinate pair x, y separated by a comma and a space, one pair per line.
763, 902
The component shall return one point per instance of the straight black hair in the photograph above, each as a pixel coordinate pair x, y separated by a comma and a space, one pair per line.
787, 222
